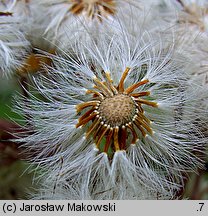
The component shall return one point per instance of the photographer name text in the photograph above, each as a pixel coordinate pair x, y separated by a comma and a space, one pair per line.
70, 207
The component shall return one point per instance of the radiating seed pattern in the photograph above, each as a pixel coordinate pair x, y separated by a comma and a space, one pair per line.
115, 113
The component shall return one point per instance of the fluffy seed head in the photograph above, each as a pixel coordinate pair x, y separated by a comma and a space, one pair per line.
115, 111
93, 8
13, 44
150, 80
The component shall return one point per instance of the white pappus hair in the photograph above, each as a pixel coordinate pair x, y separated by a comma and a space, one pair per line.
13, 44
68, 20
156, 152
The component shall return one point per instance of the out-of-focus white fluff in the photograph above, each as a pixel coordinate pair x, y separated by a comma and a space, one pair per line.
155, 163
13, 44
63, 25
